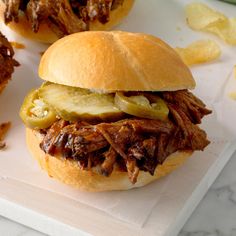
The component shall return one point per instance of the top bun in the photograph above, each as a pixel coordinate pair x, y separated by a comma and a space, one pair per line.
113, 61
46, 35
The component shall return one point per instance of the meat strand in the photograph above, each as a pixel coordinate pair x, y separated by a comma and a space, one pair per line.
37, 11
99, 9
132, 169
192, 137
12, 10
110, 160
193, 107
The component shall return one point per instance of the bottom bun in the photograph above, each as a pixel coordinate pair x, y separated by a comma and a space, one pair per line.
69, 172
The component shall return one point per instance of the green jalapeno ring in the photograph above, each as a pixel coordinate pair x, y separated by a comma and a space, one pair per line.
31, 120
156, 110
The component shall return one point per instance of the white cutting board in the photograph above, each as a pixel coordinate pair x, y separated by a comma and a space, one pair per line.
58, 214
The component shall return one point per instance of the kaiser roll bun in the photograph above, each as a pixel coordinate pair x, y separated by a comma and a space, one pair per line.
116, 60
105, 62
69, 172
46, 35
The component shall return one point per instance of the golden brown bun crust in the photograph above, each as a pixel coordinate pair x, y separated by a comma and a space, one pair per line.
68, 171
115, 60
45, 35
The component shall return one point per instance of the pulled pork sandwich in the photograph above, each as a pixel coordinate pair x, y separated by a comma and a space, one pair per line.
48, 20
7, 62
114, 113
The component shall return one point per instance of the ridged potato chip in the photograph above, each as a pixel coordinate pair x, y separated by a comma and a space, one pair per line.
232, 95
199, 52
201, 17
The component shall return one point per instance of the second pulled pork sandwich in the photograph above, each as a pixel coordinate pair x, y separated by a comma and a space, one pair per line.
48, 20
7, 61
115, 111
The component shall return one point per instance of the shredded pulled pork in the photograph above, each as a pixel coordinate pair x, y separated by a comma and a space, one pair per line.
63, 16
7, 63
131, 144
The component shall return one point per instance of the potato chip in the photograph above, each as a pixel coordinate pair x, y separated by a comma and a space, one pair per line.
199, 52
226, 32
200, 17
232, 95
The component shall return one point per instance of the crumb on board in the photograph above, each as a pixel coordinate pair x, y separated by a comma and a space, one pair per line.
2, 145
178, 28
4, 127
17, 45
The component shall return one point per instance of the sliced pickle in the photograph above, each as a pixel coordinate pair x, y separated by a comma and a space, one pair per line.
35, 113
75, 103
140, 106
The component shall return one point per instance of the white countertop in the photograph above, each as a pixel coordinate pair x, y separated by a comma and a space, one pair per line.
215, 215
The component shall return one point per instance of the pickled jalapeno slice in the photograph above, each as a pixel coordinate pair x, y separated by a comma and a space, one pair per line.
35, 113
141, 106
